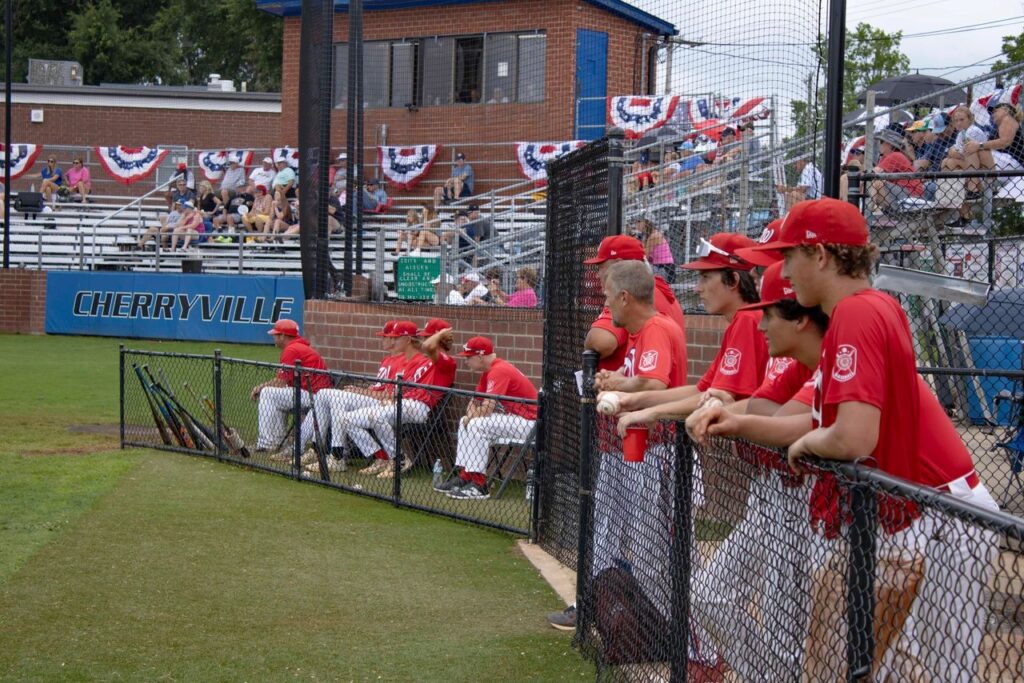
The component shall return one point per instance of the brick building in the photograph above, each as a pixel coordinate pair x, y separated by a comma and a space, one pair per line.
474, 76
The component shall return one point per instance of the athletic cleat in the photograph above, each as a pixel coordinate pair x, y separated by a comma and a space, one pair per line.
451, 483
389, 473
282, 455
375, 467
470, 491
308, 457
564, 620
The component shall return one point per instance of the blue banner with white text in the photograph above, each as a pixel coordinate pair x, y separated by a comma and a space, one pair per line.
228, 308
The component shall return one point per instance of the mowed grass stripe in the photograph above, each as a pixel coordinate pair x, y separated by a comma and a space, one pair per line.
190, 569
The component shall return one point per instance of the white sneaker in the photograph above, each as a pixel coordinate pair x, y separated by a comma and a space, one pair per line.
309, 457
375, 467
389, 473
414, 252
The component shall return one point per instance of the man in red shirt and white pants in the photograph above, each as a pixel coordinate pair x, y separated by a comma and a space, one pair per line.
865, 405
488, 420
276, 396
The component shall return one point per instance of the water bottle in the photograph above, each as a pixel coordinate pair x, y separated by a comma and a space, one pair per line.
438, 472
529, 484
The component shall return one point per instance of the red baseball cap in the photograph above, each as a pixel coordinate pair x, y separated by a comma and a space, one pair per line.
182, 166
434, 326
774, 288
622, 247
389, 327
477, 346
288, 328
763, 258
403, 328
719, 253
820, 221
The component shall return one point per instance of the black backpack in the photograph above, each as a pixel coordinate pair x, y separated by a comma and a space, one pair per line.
631, 627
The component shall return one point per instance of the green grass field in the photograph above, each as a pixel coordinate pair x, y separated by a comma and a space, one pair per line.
140, 565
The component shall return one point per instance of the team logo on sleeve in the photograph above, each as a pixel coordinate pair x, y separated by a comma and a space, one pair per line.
846, 363
490, 387
648, 361
777, 366
730, 364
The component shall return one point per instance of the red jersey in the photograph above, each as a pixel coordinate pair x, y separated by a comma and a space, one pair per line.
740, 364
657, 351
942, 456
806, 393
783, 379
421, 370
664, 302
897, 162
388, 369
505, 379
299, 349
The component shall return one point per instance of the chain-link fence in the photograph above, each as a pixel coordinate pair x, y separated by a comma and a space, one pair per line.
406, 443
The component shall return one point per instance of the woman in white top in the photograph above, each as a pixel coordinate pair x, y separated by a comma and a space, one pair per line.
1006, 148
966, 154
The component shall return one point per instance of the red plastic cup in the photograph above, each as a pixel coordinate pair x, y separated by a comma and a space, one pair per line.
635, 443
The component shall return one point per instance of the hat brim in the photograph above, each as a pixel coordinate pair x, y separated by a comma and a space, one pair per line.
594, 261
469, 354
777, 245
759, 258
703, 264
760, 306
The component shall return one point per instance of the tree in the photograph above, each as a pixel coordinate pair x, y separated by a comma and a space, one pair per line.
871, 55
1013, 51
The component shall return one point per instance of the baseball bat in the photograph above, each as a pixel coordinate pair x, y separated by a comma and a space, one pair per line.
165, 414
179, 430
161, 427
321, 451
235, 444
201, 434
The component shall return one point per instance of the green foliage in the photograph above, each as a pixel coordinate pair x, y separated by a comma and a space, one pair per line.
1009, 220
171, 42
871, 55
1013, 51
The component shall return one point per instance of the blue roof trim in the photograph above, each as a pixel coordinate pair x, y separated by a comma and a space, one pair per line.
293, 8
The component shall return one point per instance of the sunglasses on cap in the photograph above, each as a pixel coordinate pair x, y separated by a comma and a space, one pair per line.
51, 161
705, 249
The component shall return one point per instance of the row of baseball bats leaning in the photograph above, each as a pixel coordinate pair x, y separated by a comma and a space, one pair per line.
177, 425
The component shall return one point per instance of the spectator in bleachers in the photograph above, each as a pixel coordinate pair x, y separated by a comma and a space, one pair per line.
374, 196
752, 143
525, 295
284, 218
233, 180
52, 177
1007, 146
855, 163
914, 139
334, 214
78, 180
939, 136
412, 222
189, 227
208, 204
642, 171
262, 175
689, 161
478, 227
728, 146
459, 185
231, 217
258, 219
181, 176
965, 156
338, 175
445, 291
284, 181
657, 249
667, 169
471, 291
887, 194
808, 186
488, 421
428, 234
168, 222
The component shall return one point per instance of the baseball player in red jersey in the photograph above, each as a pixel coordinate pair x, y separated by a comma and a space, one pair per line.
276, 397
724, 286
607, 339
431, 365
332, 404
862, 406
488, 420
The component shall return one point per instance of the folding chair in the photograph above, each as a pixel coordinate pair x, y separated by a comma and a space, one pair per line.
1013, 445
506, 448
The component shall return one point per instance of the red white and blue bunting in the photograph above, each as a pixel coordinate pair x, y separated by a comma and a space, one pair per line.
128, 165
637, 114
215, 163
286, 154
405, 167
980, 106
22, 158
856, 143
533, 157
710, 116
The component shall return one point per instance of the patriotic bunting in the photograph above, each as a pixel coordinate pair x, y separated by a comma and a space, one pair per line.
22, 158
534, 156
709, 117
128, 165
405, 167
637, 115
980, 106
286, 154
215, 163
856, 143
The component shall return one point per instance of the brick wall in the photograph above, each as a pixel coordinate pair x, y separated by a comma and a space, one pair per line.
477, 123
23, 301
703, 338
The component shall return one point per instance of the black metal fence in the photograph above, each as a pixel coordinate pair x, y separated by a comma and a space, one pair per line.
718, 563
205, 405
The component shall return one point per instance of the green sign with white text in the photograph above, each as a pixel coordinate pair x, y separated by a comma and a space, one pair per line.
414, 277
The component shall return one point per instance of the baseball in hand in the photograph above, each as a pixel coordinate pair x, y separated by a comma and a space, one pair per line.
608, 403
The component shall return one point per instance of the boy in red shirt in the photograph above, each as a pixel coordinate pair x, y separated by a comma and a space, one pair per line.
488, 420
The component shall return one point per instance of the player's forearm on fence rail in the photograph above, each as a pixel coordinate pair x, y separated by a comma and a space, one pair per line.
646, 399
853, 435
767, 430
674, 410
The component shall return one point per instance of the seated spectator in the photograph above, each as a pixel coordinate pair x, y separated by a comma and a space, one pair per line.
887, 194
209, 204
964, 156
337, 176
728, 146
292, 231
189, 227
284, 182
808, 186
429, 233
752, 144
181, 176
53, 179
412, 222
525, 296
689, 161
657, 250
471, 291
261, 175
667, 169
642, 171
488, 420
334, 213
445, 291
855, 164
231, 217
914, 139
491, 280
78, 180
459, 185
179, 195
168, 222
258, 219
478, 227
1007, 145
233, 180
939, 137
374, 196
285, 217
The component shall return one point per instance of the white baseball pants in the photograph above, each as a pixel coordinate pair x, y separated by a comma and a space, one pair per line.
275, 403
475, 439
381, 419
332, 406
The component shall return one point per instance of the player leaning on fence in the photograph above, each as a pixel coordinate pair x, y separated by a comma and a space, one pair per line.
276, 397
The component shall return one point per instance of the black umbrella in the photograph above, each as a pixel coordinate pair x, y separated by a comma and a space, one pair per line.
1002, 316
892, 91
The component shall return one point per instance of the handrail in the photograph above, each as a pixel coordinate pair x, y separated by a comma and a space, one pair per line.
135, 202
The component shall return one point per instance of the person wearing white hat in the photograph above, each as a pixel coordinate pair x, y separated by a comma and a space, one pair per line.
471, 290
261, 175
189, 227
